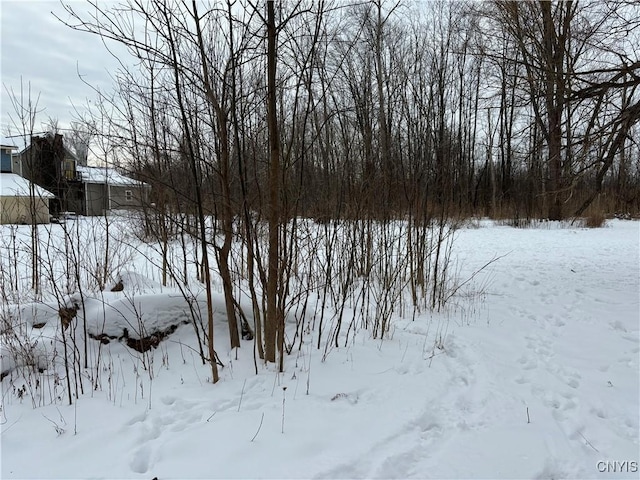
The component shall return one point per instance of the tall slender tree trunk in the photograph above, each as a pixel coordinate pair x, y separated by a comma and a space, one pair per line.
273, 320
195, 171
222, 121
553, 45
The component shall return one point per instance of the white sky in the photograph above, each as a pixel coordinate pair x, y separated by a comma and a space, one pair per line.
41, 50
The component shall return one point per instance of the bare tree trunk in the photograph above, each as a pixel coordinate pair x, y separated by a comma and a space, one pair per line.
199, 205
554, 100
273, 319
224, 181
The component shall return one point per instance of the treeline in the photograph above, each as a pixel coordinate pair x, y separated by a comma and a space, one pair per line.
505, 109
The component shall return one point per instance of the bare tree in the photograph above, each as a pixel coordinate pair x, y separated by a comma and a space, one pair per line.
26, 110
78, 140
561, 51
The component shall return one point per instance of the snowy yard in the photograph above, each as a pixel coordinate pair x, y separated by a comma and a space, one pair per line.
536, 375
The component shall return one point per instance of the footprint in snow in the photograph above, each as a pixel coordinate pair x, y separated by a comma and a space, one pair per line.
568, 376
141, 417
186, 420
599, 412
168, 400
528, 363
562, 405
140, 461
172, 415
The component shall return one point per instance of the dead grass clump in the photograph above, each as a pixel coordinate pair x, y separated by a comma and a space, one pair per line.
595, 216
595, 220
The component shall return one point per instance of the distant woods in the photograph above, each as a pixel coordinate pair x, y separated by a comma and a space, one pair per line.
507, 109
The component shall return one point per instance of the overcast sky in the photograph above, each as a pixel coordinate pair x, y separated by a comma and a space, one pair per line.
44, 52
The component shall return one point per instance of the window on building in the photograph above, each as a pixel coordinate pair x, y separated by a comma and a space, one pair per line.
128, 195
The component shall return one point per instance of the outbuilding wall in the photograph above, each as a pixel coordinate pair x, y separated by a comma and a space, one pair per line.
17, 210
120, 199
96, 199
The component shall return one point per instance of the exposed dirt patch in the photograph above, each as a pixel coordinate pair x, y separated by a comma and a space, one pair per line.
141, 344
152, 341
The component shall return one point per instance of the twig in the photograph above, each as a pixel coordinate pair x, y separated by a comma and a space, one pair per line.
588, 442
275, 378
212, 415
59, 430
242, 394
284, 397
259, 427
5, 429
473, 275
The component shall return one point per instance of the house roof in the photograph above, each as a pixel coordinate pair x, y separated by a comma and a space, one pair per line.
106, 175
23, 149
12, 185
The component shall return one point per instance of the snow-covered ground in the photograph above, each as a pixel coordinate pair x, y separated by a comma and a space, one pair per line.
534, 376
